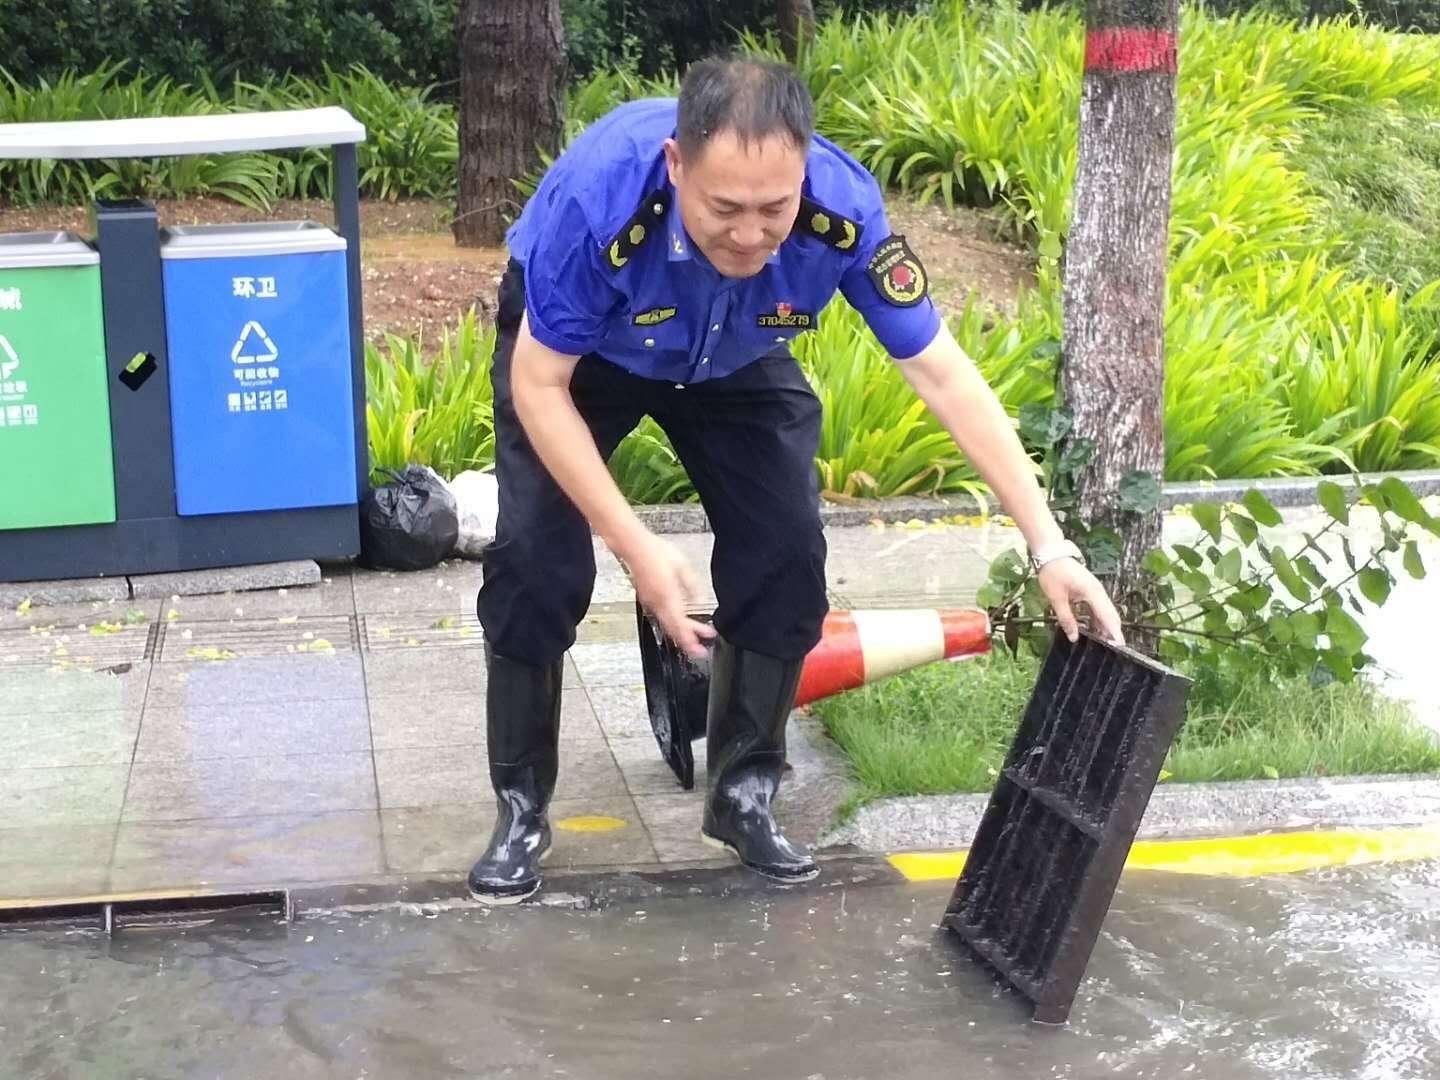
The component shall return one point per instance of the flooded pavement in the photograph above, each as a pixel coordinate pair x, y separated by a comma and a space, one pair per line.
1323, 974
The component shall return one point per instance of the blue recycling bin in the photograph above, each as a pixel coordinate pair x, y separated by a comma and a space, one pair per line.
261, 396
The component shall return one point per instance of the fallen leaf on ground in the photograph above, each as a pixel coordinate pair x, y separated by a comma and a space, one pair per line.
209, 652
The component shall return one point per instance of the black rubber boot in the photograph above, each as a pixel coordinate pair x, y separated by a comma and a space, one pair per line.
751, 696
523, 729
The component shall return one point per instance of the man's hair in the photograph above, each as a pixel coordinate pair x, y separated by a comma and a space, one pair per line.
751, 98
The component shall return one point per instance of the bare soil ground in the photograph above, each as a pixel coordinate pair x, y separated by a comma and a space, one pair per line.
417, 281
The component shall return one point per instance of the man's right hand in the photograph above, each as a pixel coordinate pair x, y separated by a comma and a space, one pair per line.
665, 586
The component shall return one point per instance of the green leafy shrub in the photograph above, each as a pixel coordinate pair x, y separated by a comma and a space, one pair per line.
410, 149
409, 41
436, 411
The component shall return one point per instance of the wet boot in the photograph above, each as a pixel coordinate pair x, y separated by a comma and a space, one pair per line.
750, 700
523, 729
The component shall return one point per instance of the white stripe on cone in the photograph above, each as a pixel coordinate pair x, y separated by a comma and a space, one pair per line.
896, 641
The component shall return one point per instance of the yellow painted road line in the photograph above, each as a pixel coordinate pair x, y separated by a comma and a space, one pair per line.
1231, 856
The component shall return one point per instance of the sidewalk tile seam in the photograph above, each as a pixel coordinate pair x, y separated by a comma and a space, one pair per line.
624, 779
370, 727
130, 770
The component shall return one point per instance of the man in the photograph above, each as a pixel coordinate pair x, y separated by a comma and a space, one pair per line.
662, 267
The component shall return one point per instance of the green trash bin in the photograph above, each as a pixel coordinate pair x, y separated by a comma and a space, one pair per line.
54, 401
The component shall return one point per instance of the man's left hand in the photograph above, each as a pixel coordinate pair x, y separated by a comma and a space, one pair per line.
1065, 582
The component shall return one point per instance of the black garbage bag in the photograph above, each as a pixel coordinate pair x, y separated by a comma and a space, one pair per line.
409, 524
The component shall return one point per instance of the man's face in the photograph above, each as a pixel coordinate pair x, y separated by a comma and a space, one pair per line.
737, 201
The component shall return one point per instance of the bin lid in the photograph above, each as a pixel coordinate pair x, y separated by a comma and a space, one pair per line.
247, 238
58, 248
160, 136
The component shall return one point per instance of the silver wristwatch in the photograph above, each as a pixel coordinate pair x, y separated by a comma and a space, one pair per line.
1061, 549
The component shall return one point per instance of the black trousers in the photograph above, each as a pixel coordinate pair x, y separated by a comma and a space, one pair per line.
748, 442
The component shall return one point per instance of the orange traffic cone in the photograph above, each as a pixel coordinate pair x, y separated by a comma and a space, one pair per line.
855, 648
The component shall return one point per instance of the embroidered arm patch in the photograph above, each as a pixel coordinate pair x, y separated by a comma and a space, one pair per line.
898, 273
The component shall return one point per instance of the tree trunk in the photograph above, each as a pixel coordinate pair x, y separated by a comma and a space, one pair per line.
512, 82
1113, 374
797, 26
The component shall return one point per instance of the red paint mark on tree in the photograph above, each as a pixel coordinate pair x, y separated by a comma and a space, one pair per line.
1130, 49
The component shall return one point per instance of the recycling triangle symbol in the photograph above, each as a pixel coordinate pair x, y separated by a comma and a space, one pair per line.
253, 346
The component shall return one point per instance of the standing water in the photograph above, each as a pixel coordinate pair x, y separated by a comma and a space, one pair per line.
1324, 974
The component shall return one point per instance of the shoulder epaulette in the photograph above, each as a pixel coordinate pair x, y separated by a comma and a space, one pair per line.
824, 224
642, 224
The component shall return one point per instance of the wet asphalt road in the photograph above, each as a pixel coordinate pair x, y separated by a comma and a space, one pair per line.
1323, 974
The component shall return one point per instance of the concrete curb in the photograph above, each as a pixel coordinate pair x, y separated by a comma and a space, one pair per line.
587, 889
146, 586
1285, 492
600, 887
940, 822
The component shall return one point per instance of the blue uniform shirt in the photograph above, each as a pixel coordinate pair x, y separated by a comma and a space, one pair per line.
609, 268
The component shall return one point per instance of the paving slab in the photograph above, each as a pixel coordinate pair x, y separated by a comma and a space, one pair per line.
645, 772
72, 615
31, 689
399, 631
447, 587
434, 776
332, 595
612, 583
62, 795
608, 624
55, 860
249, 787
262, 847
609, 664
673, 822
61, 738
258, 679
448, 838
419, 671
423, 671
458, 719
252, 729
226, 579
88, 645
891, 567
182, 639
621, 711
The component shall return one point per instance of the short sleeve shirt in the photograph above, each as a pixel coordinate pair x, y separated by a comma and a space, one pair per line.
610, 270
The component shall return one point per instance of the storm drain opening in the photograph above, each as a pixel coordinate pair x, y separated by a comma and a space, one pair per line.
1041, 873
150, 912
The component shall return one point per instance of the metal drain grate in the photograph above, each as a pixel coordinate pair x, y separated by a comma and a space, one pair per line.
139, 912
1049, 851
